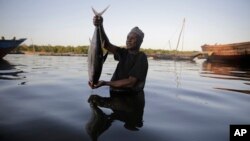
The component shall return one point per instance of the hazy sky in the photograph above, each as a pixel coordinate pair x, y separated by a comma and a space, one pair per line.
69, 22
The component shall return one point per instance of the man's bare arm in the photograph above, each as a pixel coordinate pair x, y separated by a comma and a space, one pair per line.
98, 21
123, 83
109, 46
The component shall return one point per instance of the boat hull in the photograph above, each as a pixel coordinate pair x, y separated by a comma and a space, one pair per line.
6, 46
177, 57
227, 52
228, 58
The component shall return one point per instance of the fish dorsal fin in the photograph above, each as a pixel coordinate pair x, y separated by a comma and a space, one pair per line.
99, 13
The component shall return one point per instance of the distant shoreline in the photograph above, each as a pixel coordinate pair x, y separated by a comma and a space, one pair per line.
153, 55
47, 50
62, 54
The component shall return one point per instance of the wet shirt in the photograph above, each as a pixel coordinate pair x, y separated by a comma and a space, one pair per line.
131, 64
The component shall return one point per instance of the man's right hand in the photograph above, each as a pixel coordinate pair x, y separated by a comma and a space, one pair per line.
97, 20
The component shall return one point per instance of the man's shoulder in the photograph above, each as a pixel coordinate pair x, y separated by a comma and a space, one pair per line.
142, 54
120, 53
121, 50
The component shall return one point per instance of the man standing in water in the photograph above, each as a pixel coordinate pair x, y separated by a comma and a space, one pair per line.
131, 71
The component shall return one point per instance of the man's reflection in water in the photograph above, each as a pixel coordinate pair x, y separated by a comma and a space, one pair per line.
126, 107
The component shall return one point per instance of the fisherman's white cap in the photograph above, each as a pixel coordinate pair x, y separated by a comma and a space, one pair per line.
137, 31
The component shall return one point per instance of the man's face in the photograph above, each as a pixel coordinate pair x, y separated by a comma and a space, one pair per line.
132, 41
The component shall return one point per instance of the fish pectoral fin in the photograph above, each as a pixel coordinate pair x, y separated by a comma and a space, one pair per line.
103, 43
105, 57
106, 54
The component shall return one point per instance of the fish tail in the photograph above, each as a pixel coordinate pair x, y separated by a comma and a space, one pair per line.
99, 13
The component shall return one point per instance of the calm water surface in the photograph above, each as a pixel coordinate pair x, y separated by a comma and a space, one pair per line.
46, 98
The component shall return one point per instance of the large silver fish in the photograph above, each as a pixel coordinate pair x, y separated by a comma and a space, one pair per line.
95, 53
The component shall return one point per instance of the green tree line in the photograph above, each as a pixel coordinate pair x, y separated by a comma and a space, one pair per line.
53, 49
83, 49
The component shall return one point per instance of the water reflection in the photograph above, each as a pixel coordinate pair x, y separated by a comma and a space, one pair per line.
5, 65
8, 71
227, 71
178, 67
239, 71
126, 107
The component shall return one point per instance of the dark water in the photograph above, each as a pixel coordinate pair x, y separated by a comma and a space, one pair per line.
46, 98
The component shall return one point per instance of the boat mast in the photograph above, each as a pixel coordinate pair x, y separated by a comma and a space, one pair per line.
180, 34
33, 46
169, 44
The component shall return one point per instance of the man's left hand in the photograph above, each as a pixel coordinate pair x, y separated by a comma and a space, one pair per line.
99, 84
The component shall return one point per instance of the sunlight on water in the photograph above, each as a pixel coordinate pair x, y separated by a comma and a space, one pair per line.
48, 98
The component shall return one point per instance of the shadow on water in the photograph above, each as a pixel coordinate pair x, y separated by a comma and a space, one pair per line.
126, 107
227, 71
8, 71
5, 65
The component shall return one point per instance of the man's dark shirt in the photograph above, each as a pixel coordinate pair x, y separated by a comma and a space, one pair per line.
131, 64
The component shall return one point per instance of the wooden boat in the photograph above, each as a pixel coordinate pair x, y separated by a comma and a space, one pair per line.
227, 52
6, 46
177, 57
